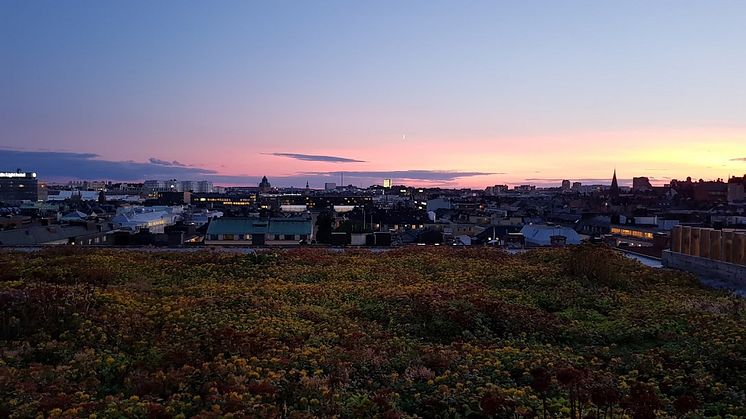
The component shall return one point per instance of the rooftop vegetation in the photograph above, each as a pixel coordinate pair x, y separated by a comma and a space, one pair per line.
426, 332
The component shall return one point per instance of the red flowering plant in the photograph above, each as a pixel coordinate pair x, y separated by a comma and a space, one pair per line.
433, 332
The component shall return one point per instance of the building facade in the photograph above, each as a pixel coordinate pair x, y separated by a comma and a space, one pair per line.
641, 184
259, 231
737, 189
18, 186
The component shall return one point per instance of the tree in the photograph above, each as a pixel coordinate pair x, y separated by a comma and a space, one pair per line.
324, 227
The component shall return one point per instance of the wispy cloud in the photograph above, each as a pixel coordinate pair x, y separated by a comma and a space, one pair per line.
63, 166
739, 159
318, 158
160, 162
597, 180
426, 175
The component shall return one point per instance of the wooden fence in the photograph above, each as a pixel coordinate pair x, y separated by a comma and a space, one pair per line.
724, 245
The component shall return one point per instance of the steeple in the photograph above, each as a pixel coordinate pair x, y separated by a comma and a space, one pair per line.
614, 190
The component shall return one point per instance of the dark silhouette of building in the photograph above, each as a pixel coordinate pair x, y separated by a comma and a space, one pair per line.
18, 186
711, 191
264, 185
614, 190
641, 184
737, 188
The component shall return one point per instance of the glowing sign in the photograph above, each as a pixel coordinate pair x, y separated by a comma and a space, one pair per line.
15, 174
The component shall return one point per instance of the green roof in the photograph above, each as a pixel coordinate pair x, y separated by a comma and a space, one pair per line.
260, 226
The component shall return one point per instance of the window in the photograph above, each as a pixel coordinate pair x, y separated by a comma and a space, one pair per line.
289, 237
240, 237
228, 237
213, 236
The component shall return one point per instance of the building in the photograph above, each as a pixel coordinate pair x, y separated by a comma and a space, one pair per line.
711, 191
16, 187
153, 186
255, 231
291, 208
264, 185
436, 204
154, 219
495, 234
82, 234
330, 186
633, 231
546, 235
73, 195
126, 188
203, 217
173, 185
201, 186
204, 186
647, 235
641, 184
566, 185
174, 198
495, 190
387, 183
74, 217
97, 185
737, 189
714, 254
222, 200
594, 226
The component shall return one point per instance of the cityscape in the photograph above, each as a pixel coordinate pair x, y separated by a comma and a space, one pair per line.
637, 219
372, 210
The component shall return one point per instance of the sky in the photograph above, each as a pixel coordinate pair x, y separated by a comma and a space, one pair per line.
429, 93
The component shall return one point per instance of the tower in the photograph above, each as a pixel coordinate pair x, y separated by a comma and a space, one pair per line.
614, 190
264, 185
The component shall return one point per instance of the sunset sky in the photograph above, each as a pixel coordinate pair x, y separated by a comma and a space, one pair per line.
469, 93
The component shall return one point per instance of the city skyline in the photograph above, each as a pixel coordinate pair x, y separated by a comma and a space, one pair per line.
435, 95
76, 167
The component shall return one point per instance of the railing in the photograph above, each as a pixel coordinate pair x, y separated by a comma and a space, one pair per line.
723, 245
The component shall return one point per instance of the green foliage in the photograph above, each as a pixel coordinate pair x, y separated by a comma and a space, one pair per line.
577, 332
595, 266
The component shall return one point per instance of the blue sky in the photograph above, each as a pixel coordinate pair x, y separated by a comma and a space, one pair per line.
503, 89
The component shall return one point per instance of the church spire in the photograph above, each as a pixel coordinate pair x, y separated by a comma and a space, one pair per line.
614, 190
